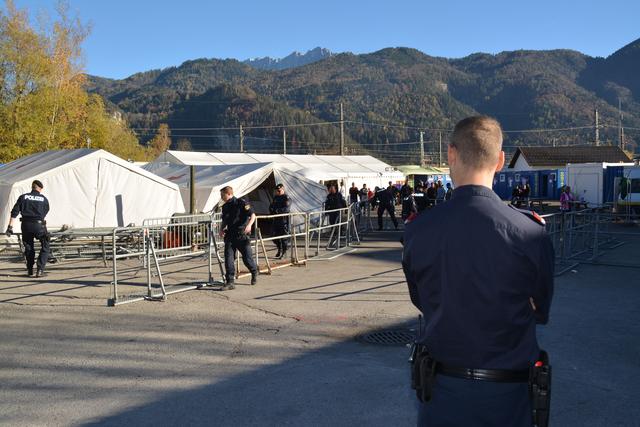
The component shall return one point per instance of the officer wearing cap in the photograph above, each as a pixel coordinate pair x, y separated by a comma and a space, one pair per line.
33, 207
281, 204
481, 273
237, 219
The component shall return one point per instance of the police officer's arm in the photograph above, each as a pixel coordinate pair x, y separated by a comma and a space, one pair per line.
46, 207
411, 281
252, 219
543, 291
15, 211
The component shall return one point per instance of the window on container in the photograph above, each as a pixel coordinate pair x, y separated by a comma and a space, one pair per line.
635, 186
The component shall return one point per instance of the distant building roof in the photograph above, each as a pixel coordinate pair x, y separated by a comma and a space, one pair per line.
420, 170
560, 156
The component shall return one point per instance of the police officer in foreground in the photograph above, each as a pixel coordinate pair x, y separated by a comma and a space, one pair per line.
481, 273
281, 204
237, 219
33, 207
386, 202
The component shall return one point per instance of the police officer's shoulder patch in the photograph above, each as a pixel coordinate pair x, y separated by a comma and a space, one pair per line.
247, 207
531, 214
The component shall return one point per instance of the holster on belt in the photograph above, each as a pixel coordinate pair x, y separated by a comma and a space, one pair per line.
423, 372
540, 390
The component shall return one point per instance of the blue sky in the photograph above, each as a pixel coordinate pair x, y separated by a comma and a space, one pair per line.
139, 35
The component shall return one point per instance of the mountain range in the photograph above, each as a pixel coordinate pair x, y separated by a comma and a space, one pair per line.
295, 59
388, 96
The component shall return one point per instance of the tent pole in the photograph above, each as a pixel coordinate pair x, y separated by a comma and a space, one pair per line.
192, 190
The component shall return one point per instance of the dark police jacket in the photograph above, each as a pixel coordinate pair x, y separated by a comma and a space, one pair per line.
281, 204
385, 197
32, 206
421, 200
471, 265
236, 214
335, 201
408, 205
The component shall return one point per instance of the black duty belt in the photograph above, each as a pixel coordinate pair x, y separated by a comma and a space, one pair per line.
495, 375
32, 221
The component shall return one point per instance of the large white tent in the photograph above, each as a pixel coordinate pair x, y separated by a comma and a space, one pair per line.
343, 169
253, 181
88, 188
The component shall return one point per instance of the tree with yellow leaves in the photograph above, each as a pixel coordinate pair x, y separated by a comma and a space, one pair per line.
43, 103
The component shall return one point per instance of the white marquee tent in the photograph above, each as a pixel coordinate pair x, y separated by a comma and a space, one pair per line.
88, 188
254, 182
344, 169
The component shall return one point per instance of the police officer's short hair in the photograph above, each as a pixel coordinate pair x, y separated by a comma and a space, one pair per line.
478, 141
227, 190
36, 184
279, 186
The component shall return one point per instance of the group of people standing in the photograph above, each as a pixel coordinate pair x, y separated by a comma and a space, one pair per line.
412, 201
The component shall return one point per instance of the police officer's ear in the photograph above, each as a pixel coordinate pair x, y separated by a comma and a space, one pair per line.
500, 164
452, 155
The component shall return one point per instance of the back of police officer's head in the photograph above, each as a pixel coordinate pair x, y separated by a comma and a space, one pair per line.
475, 148
226, 193
36, 185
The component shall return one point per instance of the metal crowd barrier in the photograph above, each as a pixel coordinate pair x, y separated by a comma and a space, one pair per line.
588, 236
165, 240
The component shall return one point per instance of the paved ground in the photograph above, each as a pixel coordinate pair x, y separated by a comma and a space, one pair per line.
284, 352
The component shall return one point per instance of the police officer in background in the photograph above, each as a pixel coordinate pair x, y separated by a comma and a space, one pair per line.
420, 197
481, 273
386, 202
281, 204
33, 207
237, 219
334, 201
408, 204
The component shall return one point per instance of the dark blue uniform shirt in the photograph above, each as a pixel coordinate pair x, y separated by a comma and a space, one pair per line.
33, 206
385, 196
236, 214
281, 204
334, 201
471, 265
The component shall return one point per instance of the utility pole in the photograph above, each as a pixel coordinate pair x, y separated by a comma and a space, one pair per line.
597, 130
241, 140
341, 130
284, 141
440, 143
421, 148
620, 131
